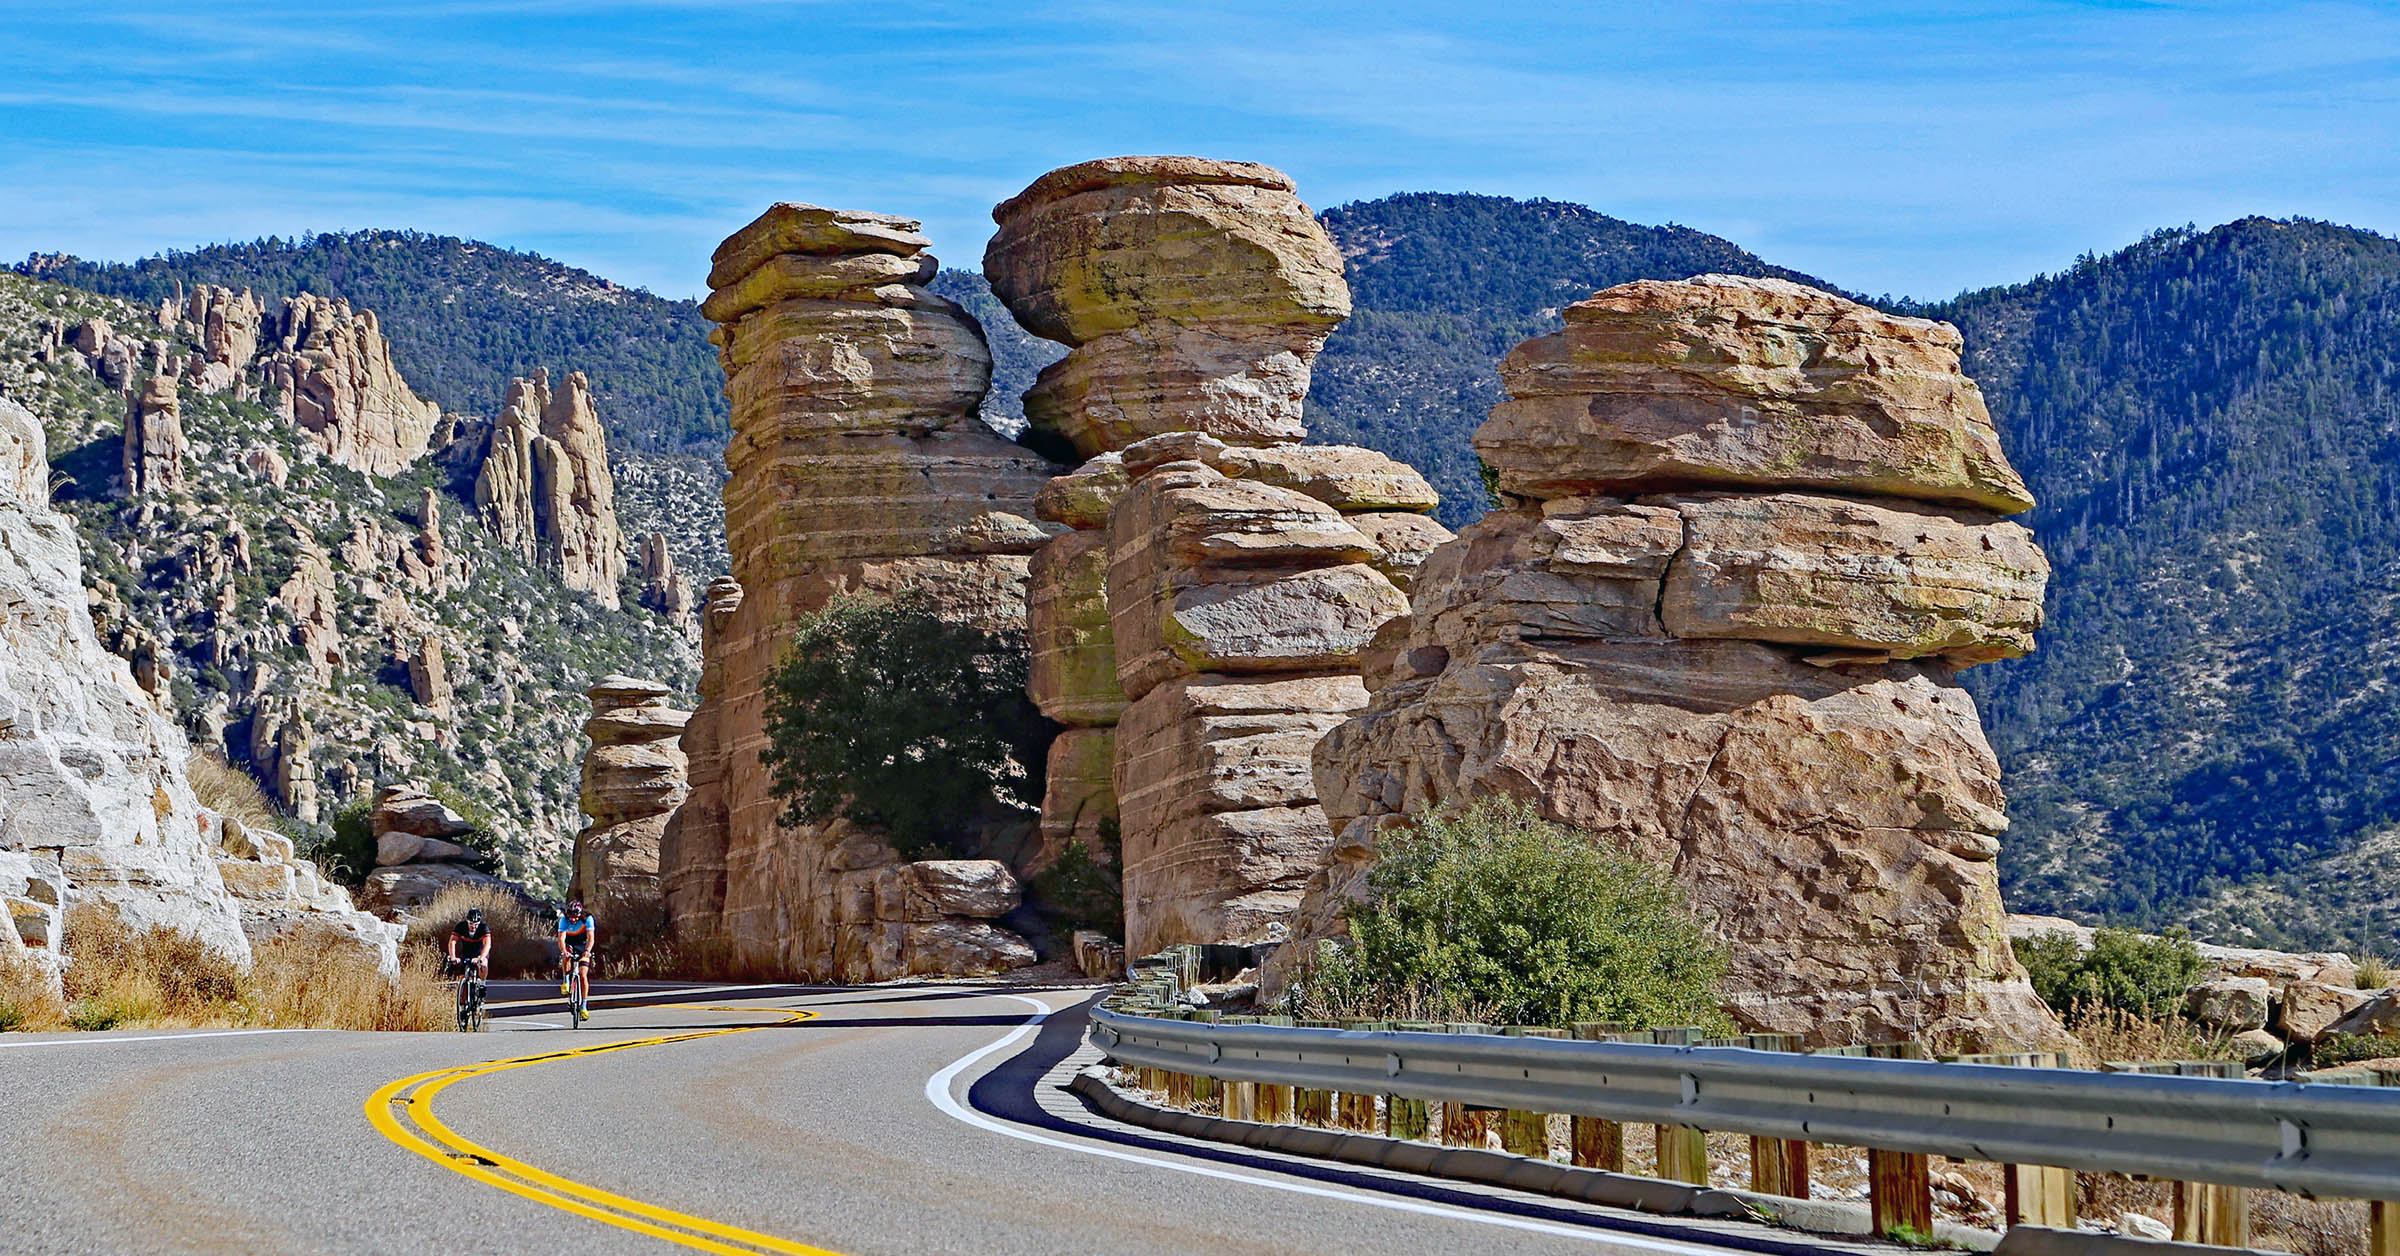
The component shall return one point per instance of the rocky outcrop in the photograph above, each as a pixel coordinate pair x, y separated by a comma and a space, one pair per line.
331, 372
1193, 293
634, 777
419, 853
95, 803
1204, 623
226, 325
545, 489
663, 587
154, 444
857, 466
1753, 688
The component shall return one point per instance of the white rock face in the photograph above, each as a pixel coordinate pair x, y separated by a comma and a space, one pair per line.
95, 806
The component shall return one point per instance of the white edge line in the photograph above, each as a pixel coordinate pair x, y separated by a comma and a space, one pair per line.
204, 1033
937, 1091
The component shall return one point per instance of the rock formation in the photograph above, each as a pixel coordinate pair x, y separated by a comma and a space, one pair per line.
331, 372
1750, 543
857, 465
1202, 626
154, 444
95, 804
227, 325
545, 488
663, 587
418, 854
633, 780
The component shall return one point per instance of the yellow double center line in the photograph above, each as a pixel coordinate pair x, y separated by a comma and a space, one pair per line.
403, 1111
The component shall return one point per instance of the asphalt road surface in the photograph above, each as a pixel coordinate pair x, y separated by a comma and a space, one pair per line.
788, 1119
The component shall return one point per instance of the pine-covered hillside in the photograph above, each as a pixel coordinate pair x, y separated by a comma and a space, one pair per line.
2212, 423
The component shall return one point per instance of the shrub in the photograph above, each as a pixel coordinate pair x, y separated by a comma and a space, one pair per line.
889, 715
1491, 913
313, 975
522, 944
2342, 1049
1083, 890
2121, 969
2374, 972
117, 974
27, 1001
348, 855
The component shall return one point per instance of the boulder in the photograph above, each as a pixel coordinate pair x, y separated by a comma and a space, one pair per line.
1193, 293
2232, 1004
410, 810
979, 888
2378, 1015
400, 892
2257, 1048
1733, 381
396, 847
2311, 1007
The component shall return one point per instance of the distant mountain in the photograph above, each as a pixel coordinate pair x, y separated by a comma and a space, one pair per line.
464, 318
2211, 728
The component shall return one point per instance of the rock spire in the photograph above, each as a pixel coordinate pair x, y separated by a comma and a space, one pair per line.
1750, 541
1202, 626
545, 489
857, 465
154, 444
634, 777
331, 372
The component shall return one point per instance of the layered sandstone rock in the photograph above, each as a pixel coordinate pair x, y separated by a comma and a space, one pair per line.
1754, 689
1194, 294
227, 325
857, 466
154, 444
663, 587
1204, 624
419, 853
545, 489
634, 778
331, 372
95, 804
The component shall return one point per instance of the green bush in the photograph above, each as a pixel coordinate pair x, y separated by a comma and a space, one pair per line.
890, 715
1082, 890
2124, 970
1490, 913
348, 855
2332, 1052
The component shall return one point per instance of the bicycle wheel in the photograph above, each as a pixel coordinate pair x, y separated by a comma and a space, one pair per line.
466, 1009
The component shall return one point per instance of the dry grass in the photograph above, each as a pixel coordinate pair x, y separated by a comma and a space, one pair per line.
122, 978
230, 791
27, 1000
2374, 972
665, 958
2109, 1034
522, 944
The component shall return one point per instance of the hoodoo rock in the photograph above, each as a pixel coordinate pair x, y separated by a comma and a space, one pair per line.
1204, 623
663, 587
1753, 685
227, 326
545, 489
331, 372
857, 465
633, 780
154, 444
1194, 294
95, 804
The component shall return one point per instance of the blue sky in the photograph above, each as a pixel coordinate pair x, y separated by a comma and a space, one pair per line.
1906, 148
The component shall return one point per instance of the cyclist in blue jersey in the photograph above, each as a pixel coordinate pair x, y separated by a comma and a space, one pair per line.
578, 937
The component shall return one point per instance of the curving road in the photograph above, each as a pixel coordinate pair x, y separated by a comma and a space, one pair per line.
734, 1119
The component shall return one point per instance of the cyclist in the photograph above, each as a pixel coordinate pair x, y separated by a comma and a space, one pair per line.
470, 950
578, 937
470, 944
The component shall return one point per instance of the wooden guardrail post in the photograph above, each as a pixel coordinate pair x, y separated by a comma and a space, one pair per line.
1463, 1126
1312, 1107
1900, 1183
2205, 1212
1406, 1118
1273, 1104
1179, 1090
1682, 1150
1594, 1142
1525, 1133
1241, 1101
2032, 1194
2383, 1228
1778, 1166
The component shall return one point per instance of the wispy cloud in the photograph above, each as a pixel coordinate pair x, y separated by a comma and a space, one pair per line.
1888, 146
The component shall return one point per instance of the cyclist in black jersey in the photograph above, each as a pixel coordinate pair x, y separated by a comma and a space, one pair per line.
470, 943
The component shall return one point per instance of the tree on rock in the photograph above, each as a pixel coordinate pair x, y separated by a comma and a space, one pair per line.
889, 715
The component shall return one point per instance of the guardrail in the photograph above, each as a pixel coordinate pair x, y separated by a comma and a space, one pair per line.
2221, 1135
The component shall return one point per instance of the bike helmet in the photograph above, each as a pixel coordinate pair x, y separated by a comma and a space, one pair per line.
575, 908
474, 915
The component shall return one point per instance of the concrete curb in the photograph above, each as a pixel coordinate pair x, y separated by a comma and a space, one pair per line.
2034, 1240
1541, 1177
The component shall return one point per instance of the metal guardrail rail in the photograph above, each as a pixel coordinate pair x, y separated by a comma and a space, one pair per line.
2306, 1138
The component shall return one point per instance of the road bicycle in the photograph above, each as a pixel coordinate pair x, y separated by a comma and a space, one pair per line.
470, 1000
579, 980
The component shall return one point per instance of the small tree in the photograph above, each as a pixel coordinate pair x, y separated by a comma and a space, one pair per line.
2121, 969
891, 715
1491, 913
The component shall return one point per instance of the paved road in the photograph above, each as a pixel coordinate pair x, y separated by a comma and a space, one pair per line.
896, 1119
